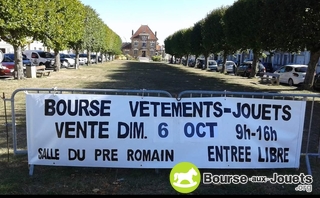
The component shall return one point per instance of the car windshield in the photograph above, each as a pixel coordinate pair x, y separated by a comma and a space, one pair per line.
212, 62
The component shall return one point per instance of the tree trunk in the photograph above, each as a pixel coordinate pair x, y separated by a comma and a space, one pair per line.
18, 63
57, 62
255, 64
77, 59
89, 57
187, 63
308, 81
224, 69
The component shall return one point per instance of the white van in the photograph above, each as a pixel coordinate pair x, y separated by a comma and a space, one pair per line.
39, 57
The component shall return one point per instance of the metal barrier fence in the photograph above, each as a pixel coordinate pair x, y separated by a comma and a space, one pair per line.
311, 134
18, 117
310, 144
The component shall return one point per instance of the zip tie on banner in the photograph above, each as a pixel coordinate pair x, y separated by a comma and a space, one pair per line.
55, 90
225, 94
142, 92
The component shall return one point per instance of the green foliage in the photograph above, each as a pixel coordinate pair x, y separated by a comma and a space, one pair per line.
129, 57
156, 58
18, 23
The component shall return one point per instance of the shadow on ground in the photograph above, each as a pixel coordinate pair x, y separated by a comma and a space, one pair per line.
161, 76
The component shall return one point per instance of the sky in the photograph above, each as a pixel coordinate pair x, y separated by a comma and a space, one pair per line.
163, 17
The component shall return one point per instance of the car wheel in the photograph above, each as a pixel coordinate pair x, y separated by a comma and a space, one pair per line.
290, 82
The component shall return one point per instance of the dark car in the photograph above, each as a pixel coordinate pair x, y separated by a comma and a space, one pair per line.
244, 69
200, 63
269, 67
192, 63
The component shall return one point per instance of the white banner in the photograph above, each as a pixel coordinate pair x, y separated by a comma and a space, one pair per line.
155, 132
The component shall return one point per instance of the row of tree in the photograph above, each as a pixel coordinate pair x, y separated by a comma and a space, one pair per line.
259, 25
59, 24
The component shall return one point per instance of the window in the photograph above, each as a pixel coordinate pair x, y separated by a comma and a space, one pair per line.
144, 44
135, 43
144, 38
135, 52
288, 69
34, 55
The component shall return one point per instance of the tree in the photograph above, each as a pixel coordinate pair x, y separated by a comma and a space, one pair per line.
196, 42
17, 24
215, 27
187, 50
243, 28
59, 28
169, 47
178, 44
295, 25
76, 42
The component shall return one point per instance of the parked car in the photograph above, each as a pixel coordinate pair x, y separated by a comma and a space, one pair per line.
66, 60
84, 57
231, 67
292, 74
39, 57
244, 69
82, 60
199, 63
93, 59
8, 61
212, 65
8, 64
184, 61
192, 63
269, 67
5, 72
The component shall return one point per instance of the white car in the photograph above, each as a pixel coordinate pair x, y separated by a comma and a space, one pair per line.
231, 67
292, 74
212, 65
84, 58
67, 60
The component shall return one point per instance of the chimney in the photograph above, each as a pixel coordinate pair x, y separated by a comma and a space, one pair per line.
132, 32
155, 33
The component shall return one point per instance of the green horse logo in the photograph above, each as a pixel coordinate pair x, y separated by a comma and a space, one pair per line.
185, 177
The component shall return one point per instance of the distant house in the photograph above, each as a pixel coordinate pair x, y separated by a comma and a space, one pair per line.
143, 43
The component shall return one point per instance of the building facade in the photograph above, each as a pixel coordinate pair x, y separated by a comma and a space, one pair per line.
35, 45
143, 44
